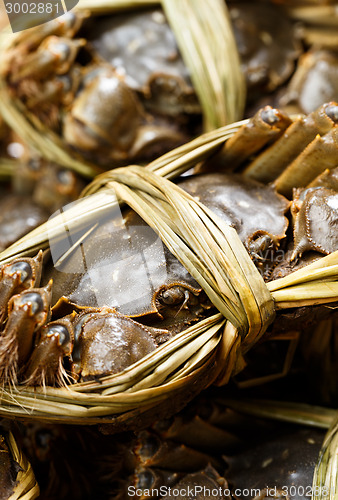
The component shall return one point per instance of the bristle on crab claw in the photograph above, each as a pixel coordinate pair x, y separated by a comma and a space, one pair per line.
54, 343
17, 276
27, 312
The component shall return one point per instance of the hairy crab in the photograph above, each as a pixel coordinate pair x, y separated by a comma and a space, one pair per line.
267, 42
120, 293
92, 103
115, 88
114, 275
207, 447
302, 154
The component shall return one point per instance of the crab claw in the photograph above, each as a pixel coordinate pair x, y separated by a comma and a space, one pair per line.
17, 276
66, 25
55, 55
55, 342
27, 312
107, 342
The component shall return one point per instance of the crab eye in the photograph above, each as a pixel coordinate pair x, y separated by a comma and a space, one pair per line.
79, 325
65, 177
149, 447
61, 331
60, 49
172, 296
34, 164
332, 112
23, 268
260, 243
269, 116
34, 299
43, 439
145, 480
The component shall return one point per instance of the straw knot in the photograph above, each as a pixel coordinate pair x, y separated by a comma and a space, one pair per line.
209, 249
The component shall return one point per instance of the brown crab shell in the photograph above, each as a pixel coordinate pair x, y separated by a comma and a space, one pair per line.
316, 222
314, 82
277, 464
250, 207
115, 271
267, 43
142, 47
108, 343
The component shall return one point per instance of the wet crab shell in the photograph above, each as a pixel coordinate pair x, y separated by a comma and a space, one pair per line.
250, 207
55, 74
284, 463
316, 221
123, 271
314, 82
115, 270
108, 343
142, 47
267, 43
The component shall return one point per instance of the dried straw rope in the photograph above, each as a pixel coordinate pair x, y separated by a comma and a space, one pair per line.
206, 352
26, 488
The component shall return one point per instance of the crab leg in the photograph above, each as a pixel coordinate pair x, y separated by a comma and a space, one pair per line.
28, 40
16, 277
210, 436
266, 125
271, 163
55, 55
328, 179
55, 342
320, 154
154, 452
28, 311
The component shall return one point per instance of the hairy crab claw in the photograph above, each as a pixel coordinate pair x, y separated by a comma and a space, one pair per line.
27, 312
17, 276
53, 345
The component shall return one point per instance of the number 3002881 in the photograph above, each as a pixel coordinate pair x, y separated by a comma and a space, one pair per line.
32, 8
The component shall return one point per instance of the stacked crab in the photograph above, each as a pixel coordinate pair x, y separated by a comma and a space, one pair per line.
74, 321
87, 310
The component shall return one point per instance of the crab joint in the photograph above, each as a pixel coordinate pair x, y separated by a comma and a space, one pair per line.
27, 312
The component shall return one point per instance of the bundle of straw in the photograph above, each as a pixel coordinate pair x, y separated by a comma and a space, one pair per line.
26, 487
205, 39
208, 352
